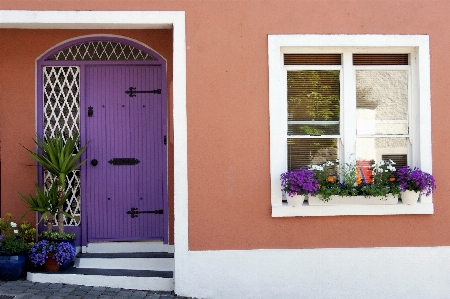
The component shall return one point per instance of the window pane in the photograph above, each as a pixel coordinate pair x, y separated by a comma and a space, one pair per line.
382, 102
307, 151
313, 102
376, 148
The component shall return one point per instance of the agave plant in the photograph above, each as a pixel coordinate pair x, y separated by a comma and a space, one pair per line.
46, 203
58, 157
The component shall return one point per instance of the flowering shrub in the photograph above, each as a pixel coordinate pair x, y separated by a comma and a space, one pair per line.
62, 252
299, 182
10, 236
414, 179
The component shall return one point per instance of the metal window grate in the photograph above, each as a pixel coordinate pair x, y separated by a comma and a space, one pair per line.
101, 50
61, 95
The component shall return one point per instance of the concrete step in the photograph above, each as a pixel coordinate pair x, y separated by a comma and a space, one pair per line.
122, 247
158, 261
117, 278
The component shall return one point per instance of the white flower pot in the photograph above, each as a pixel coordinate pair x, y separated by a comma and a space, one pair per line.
354, 200
410, 197
296, 200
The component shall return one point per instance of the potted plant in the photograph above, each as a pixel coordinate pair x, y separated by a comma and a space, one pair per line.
413, 183
51, 254
13, 248
58, 156
297, 184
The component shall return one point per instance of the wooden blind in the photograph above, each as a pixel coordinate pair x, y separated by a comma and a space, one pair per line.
399, 160
312, 59
380, 59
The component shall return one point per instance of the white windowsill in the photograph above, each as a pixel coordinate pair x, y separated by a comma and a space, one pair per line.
284, 210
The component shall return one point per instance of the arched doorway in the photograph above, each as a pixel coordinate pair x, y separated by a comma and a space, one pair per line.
111, 91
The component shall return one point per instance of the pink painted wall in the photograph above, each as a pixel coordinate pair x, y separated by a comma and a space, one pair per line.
228, 118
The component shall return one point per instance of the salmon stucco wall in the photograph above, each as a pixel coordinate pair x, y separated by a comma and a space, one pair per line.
228, 117
19, 50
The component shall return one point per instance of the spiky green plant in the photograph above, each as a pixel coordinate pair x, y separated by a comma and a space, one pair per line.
57, 156
46, 203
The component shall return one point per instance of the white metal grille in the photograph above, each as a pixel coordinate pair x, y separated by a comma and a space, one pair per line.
61, 95
101, 50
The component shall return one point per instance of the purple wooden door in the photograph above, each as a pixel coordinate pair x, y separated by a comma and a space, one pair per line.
126, 158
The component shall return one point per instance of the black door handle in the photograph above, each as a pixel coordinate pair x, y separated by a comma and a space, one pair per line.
94, 162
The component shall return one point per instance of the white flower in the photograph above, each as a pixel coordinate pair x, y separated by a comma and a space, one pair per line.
16, 231
316, 167
13, 224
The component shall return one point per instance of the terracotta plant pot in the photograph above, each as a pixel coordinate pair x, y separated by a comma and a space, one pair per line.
51, 265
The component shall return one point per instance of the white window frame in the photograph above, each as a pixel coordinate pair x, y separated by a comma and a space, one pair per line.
417, 46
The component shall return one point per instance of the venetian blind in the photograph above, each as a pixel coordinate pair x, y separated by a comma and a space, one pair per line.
313, 103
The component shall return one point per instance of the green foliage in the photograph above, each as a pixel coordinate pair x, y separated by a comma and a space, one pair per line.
46, 203
55, 235
58, 156
10, 239
27, 233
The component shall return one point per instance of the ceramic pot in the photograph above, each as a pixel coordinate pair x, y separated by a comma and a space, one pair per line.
410, 197
12, 266
296, 200
51, 265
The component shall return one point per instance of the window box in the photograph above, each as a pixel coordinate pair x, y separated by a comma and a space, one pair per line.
354, 200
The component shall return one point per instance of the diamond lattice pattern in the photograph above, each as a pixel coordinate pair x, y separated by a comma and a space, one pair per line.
62, 115
101, 50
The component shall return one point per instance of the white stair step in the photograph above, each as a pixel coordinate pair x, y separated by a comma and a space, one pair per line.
120, 247
157, 261
102, 278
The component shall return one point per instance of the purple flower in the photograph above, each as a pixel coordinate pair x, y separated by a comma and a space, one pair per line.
62, 252
299, 182
415, 180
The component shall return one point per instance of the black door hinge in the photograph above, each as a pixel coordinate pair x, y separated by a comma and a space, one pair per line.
165, 139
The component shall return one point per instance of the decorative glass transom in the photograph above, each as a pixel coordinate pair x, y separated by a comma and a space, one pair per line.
101, 50
61, 94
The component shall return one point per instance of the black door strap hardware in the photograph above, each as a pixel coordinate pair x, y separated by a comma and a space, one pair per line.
132, 91
134, 212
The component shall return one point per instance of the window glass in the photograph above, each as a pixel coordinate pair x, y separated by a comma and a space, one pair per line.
381, 102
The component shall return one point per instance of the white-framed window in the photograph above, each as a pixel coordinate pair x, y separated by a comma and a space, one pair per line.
346, 96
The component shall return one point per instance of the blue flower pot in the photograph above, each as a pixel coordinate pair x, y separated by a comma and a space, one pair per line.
12, 266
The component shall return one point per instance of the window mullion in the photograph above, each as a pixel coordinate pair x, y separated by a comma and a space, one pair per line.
348, 107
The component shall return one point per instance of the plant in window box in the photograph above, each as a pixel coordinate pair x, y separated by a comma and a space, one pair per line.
363, 182
13, 248
297, 184
413, 183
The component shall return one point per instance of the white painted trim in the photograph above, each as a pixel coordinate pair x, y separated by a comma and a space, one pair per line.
284, 210
397, 272
134, 20
418, 48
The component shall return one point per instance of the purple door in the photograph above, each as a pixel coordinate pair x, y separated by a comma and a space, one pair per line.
126, 159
